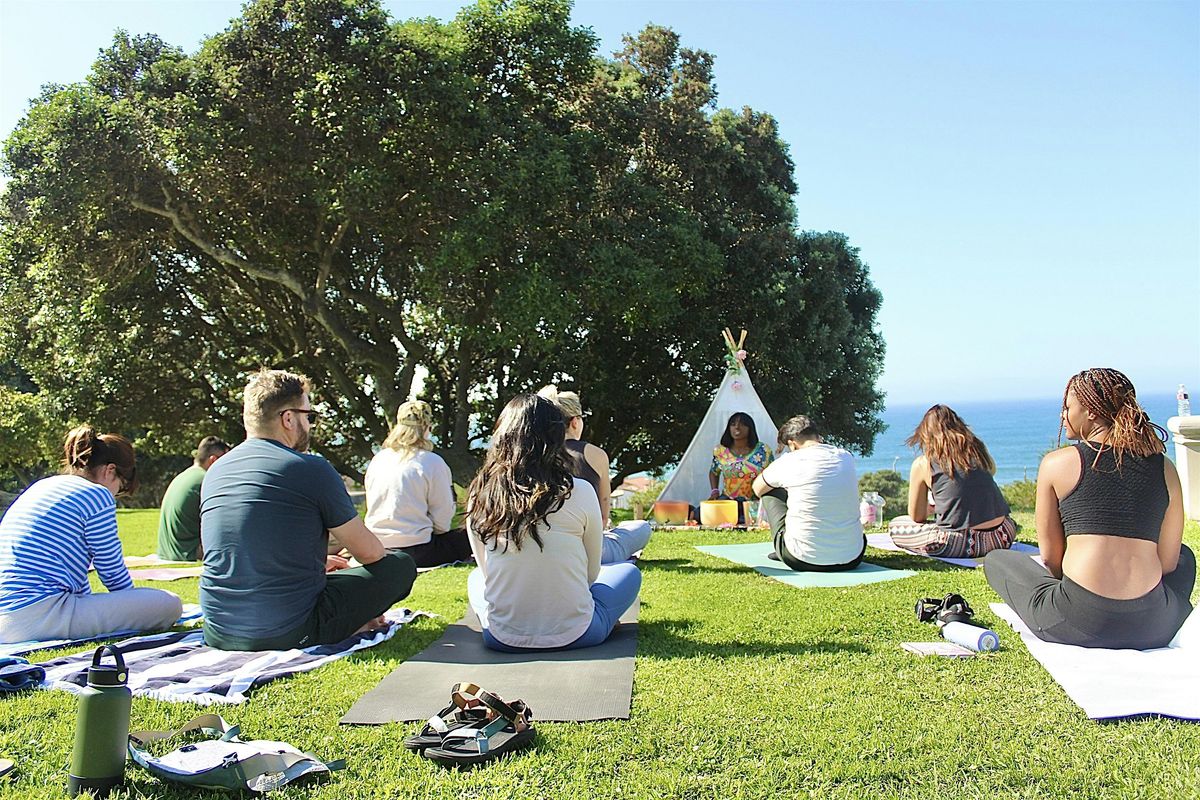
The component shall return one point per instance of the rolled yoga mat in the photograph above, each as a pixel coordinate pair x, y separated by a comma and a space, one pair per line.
972, 637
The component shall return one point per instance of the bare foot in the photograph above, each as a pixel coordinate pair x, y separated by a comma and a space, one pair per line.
373, 625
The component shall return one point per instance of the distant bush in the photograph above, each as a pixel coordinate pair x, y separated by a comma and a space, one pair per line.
1020, 494
892, 487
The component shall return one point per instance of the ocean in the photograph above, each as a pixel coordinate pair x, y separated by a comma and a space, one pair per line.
1016, 432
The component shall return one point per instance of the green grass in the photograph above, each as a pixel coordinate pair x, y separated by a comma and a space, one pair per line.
745, 688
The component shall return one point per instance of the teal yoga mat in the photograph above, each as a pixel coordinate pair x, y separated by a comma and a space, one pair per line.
755, 556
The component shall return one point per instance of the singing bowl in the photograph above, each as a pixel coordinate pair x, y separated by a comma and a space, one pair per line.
671, 512
714, 513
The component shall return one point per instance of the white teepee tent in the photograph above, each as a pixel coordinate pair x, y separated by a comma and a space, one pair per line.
689, 483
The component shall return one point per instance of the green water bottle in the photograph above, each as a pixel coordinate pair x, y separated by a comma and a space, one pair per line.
101, 728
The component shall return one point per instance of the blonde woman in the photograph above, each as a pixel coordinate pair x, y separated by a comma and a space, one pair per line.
590, 463
410, 496
954, 475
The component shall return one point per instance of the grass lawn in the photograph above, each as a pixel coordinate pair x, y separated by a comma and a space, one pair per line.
745, 688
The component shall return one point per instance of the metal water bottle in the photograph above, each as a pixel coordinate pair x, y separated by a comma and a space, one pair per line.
101, 728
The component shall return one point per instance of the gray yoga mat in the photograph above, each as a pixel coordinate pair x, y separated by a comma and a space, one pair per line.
560, 686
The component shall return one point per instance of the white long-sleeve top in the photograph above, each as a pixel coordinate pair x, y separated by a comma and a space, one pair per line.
541, 597
408, 500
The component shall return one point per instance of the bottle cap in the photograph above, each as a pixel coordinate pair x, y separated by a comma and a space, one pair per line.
105, 675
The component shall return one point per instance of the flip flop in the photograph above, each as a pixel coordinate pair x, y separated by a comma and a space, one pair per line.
464, 709
509, 730
6, 766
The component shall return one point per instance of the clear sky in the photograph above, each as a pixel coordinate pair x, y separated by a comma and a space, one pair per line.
1023, 178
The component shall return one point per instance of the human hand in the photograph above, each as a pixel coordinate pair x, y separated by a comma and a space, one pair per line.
335, 563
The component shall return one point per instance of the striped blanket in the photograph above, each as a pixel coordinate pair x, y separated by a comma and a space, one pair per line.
178, 667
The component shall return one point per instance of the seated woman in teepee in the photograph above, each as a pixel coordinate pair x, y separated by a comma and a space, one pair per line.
737, 461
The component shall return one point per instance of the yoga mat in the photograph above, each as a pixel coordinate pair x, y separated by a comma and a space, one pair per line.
165, 573
881, 541
755, 555
559, 686
151, 560
1114, 684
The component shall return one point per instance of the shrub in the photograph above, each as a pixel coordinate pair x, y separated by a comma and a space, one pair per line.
1020, 494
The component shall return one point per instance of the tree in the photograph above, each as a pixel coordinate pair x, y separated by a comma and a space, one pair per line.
485, 203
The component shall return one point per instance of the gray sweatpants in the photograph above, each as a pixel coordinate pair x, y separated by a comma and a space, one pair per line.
82, 616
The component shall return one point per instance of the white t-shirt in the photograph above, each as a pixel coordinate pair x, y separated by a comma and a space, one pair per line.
822, 524
408, 500
542, 597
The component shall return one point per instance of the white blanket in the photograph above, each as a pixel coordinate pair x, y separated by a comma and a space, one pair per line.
1111, 684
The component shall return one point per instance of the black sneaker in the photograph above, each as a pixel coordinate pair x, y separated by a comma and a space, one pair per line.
773, 556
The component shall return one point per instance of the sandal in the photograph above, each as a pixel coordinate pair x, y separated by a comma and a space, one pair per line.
465, 709
509, 728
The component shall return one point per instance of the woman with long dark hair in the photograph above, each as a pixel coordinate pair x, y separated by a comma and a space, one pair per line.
1110, 528
536, 533
954, 475
55, 531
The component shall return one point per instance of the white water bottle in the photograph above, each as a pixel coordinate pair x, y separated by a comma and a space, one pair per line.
1184, 404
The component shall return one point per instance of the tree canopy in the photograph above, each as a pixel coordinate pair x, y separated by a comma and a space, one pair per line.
468, 209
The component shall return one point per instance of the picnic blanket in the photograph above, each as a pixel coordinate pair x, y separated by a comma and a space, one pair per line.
178, 667
151, 560
590, 683
881, 541
191, 615
755, 556
1115, 684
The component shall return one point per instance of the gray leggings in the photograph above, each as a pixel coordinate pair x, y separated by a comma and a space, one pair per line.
1063, 611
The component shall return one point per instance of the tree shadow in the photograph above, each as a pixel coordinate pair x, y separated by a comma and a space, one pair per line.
671, 638
685, 565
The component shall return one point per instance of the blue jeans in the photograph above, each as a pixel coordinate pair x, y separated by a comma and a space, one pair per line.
621, 542
613, 593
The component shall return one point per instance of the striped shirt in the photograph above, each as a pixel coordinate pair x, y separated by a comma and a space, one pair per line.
57, 529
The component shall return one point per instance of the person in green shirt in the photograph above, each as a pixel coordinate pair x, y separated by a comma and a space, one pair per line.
179, 519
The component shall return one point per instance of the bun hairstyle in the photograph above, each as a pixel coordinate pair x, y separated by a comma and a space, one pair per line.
86, 451
568, 402
414, 420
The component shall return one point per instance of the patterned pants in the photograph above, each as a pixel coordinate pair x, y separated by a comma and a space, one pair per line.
928, 539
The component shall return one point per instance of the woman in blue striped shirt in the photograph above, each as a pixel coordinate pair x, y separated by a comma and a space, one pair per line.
55, 531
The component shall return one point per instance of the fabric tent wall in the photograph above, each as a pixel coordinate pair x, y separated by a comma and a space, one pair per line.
690, 481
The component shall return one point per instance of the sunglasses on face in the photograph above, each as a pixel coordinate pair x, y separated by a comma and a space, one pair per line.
313, 416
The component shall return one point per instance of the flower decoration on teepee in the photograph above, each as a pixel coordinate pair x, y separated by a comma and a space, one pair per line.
735, 359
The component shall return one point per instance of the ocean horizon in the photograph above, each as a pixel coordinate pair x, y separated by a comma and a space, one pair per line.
1017, 432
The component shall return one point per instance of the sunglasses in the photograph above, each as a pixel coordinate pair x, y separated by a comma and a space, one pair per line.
313, 416
125, 483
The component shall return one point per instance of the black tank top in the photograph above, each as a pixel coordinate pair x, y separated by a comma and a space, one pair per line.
1130, 503
964, 501
582, 469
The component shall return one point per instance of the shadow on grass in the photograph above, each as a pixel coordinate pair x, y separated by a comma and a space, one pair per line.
671, 638
688, 566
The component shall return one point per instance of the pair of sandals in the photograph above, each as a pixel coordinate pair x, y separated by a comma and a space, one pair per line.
951, 608
477, 726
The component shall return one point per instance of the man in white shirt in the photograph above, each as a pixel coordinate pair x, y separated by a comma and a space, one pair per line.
810, 498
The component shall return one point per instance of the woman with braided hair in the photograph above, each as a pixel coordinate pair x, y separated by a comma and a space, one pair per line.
1110, 527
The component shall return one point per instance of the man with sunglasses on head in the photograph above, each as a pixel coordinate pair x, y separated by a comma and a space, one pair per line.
267, 510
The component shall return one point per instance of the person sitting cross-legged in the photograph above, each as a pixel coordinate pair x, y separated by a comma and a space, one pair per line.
810, 498
536, 533
179, 517
267, 510
57, 529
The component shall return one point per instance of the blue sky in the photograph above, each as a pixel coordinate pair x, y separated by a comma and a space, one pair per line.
1023, 178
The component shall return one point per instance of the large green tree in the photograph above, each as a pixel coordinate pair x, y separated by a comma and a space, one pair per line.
470, 209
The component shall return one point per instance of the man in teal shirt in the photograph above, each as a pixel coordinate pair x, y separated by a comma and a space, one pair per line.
179, 520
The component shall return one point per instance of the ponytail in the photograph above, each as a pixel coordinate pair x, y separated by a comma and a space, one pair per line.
85, 451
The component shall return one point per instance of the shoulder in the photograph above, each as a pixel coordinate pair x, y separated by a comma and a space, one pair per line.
1059, 461
720, 450
583, 491
431, 463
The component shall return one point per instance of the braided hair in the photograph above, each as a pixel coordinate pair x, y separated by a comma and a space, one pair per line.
1110, 397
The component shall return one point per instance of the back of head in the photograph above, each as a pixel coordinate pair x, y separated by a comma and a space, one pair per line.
799, 429
568, 402
210, 446
86, 451
1109, 395
414, 420
269, 392
948, 442
526, 474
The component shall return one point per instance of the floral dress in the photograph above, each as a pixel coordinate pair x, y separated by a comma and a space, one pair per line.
739, 472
